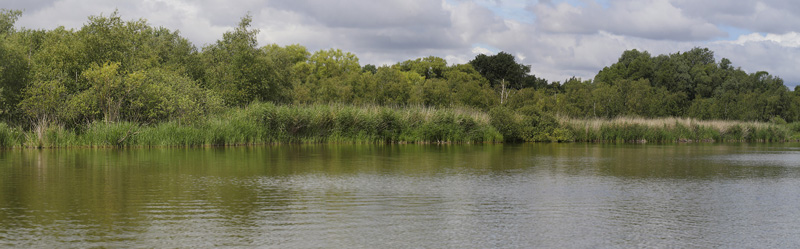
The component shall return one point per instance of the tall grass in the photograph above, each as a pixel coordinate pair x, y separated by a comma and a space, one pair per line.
265, 123
262, 123
39, 137
628, 129
10, 137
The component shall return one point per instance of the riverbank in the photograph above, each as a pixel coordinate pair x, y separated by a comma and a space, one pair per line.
639, 130
266, 123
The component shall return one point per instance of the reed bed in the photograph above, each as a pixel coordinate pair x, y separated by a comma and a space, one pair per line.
640, 130
266, 123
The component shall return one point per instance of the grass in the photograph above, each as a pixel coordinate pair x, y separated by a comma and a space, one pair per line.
10, 137
628, 129
265, 123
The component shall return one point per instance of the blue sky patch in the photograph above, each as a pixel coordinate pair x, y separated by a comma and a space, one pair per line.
733, 33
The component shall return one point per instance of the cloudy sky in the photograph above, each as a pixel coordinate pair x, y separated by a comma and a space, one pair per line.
558, 38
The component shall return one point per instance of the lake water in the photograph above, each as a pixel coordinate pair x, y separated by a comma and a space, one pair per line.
404, 196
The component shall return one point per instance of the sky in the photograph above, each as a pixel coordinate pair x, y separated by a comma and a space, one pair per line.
558, 38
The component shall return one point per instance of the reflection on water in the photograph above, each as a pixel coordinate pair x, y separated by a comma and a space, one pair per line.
400, 196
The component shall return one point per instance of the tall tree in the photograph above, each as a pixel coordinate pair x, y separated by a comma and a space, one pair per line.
430, 67
632, 65
14, 66
7, 20
502, 72
240, 71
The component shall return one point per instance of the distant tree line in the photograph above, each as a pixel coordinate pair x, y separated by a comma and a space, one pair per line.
113, 70
689, 84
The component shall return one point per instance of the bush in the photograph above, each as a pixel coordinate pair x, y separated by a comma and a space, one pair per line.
777, 120
528, 124
504, 121
794, 127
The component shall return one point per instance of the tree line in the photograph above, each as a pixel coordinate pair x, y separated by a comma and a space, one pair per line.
113, 70
689, 84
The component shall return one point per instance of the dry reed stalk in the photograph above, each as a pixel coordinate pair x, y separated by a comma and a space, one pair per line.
670, 122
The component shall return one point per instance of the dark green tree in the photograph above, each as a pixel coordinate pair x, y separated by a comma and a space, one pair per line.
632, 65
502, 72
369, 68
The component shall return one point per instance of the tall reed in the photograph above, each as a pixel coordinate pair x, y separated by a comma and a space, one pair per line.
263, 123
626, 129
266, 123
10, 137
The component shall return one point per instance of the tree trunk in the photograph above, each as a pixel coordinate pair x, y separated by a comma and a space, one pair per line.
503, 94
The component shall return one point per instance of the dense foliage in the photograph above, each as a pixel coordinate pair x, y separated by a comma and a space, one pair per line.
128, 72
689, 84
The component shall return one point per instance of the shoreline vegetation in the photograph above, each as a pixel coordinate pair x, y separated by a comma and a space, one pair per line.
267, 123
117, 83
680, 130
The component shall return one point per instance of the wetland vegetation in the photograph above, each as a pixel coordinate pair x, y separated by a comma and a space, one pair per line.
126, 83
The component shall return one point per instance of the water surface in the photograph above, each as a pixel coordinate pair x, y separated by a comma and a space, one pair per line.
401, 196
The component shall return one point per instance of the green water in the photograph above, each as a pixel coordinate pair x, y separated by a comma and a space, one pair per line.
404, 196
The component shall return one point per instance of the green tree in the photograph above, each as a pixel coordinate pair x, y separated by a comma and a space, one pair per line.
240, 72
578, 99
430, 67
365, 88
327, 76
607, 101
437, 92
643, 100
394, 85
136, 45
61, 57
44, 102
104, 40
165, 95
369, 68
283, 62
469, 88
632, 65
333, 63
14, 71
7, 20
109, 89
502, 72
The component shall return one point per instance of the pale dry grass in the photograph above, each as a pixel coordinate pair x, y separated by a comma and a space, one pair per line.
428, 112
479, 116
669, 123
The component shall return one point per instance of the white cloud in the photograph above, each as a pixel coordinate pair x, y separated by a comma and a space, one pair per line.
480, 50
791, 39
653, 19
765, 16
777, 54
